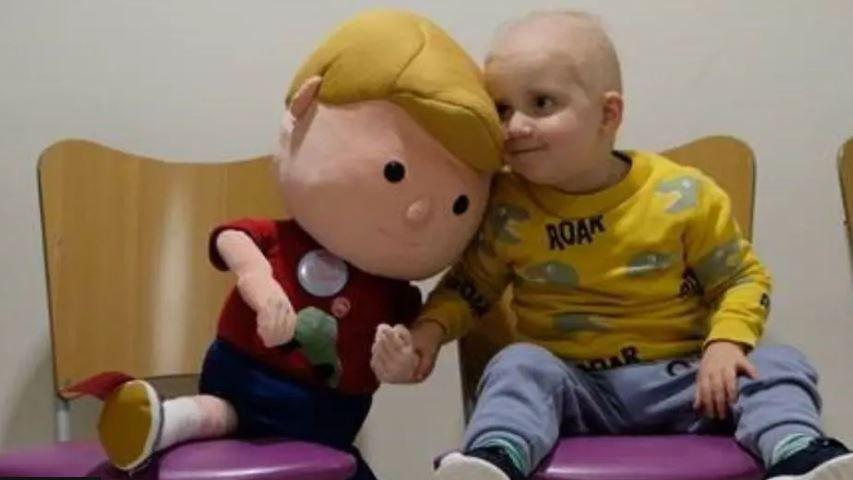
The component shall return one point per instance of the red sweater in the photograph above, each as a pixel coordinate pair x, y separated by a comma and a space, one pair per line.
372, 299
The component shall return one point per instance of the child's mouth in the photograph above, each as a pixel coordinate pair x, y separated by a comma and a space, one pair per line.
522, 151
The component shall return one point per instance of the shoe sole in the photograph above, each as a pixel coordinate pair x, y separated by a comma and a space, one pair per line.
839, 468
130, 425
456, 466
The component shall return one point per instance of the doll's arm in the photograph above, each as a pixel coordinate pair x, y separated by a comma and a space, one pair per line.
245, 259
276, 318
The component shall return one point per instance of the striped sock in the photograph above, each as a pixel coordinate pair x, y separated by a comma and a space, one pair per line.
513, 452
789, 446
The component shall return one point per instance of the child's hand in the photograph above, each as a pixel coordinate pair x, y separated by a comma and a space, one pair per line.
716, 381
427, 336
394, 359
276, 319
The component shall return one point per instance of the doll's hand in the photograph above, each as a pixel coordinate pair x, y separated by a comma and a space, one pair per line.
716, 381
276, 319
394, 359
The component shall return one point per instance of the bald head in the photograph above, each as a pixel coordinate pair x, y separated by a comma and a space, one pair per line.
572, 38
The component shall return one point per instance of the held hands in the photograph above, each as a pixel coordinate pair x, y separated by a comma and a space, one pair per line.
275, 316
401, 356
716, 381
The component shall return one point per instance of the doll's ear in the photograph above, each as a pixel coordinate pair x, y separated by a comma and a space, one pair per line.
303, 97
299, 104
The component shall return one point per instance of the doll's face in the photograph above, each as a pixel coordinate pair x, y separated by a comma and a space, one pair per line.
374, 188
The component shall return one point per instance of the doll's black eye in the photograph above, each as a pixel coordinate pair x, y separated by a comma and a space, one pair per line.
394, 171
460, 206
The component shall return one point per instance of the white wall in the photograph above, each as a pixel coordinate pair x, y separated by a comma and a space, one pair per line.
203, 81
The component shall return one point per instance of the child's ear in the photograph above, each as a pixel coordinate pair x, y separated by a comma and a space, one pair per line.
613, 108
304, 97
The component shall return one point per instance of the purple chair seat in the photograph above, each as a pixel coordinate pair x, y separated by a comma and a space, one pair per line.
677, 457
215, 459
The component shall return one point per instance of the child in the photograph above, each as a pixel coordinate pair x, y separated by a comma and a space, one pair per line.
639, 302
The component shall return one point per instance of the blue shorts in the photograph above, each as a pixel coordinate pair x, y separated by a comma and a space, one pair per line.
268, 404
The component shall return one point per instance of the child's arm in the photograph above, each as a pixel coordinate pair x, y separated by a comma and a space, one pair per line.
470, 288
275, 316
467, 291
735, 283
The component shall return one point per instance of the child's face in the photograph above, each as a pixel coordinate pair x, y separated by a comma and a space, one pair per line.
552, 123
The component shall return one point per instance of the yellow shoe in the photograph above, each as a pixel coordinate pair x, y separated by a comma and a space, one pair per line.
130, 424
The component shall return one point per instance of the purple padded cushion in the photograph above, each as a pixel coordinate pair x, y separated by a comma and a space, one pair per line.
215, 460
675, 457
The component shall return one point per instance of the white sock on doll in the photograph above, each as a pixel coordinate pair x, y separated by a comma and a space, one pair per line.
181, 421
189, 418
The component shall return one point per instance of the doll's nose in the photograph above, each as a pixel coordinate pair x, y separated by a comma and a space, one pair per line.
419, 212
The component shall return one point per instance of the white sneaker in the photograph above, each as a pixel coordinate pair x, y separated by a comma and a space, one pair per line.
457, 466
839, 468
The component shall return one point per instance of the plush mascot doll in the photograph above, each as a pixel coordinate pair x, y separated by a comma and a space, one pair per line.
388, 144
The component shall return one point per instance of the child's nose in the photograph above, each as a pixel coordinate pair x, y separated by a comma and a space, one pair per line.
518, 126
419, 212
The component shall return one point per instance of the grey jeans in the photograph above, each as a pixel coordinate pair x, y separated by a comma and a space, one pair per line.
530, 398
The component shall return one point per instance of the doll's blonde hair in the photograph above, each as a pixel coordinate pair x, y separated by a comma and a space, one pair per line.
406, 59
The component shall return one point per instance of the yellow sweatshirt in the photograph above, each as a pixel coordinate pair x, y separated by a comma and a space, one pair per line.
650, 268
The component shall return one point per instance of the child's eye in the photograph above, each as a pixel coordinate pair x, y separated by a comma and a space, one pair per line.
544, 103
503, 110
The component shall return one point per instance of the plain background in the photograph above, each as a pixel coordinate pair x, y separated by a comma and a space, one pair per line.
203, 81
